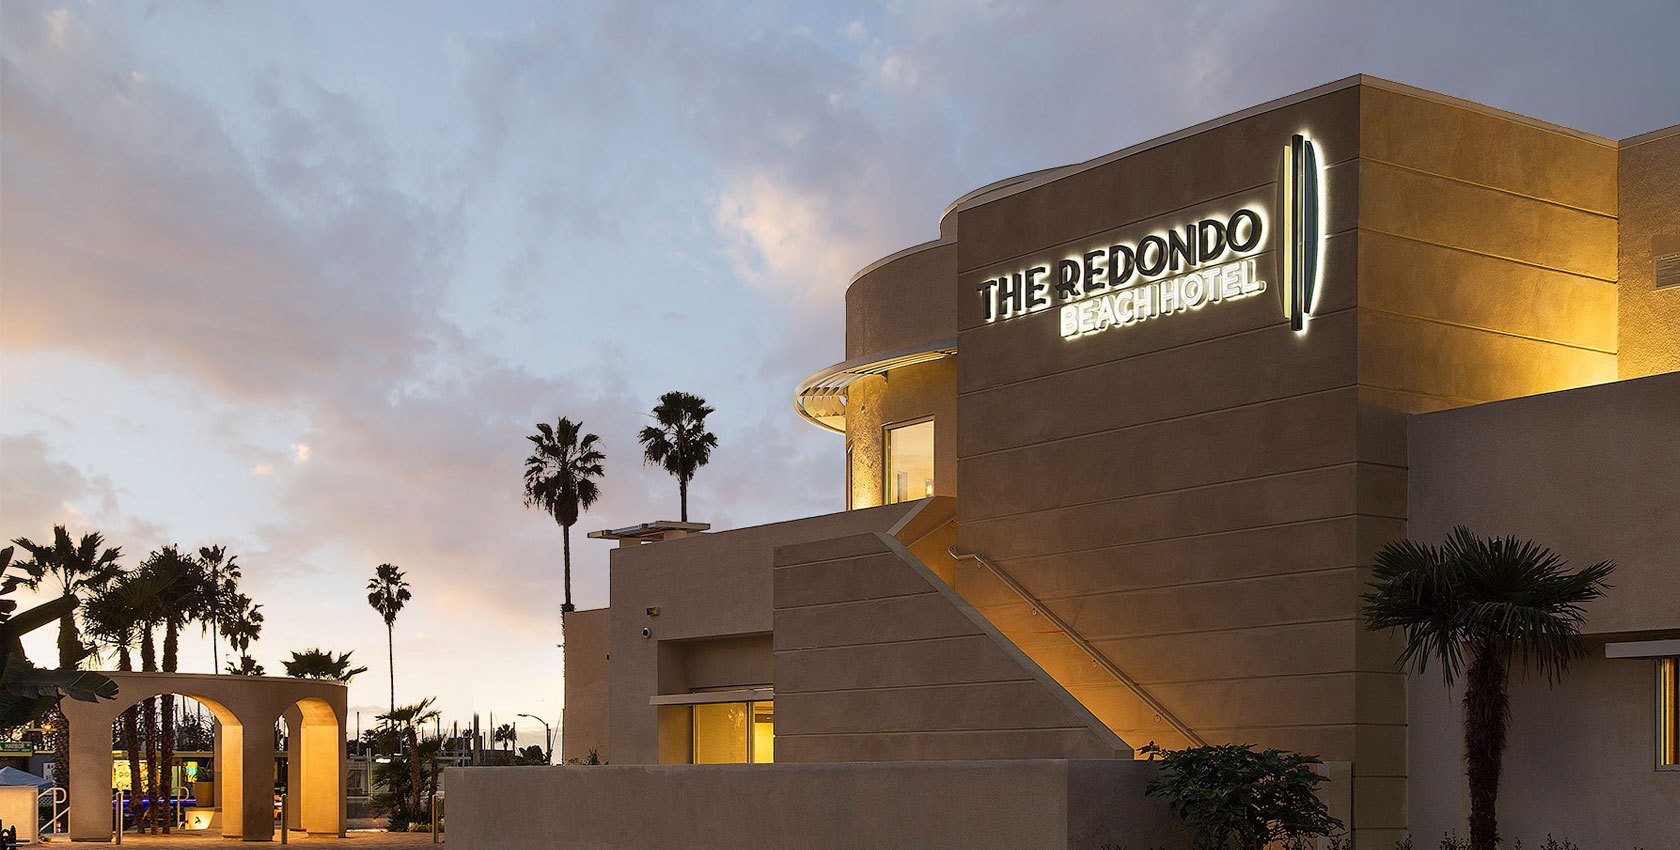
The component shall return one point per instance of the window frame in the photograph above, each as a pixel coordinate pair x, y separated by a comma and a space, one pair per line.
886, 455
1666, 706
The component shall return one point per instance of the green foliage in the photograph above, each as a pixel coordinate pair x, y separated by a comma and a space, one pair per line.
1235, 798
247, 666
594, 757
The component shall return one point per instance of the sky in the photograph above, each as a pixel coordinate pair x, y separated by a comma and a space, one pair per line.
299, 278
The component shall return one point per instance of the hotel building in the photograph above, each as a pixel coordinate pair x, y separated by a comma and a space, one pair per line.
1121, 444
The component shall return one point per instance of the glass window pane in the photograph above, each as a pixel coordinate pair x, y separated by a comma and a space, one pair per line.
763, 732
909, 462
720, 733
1668, 712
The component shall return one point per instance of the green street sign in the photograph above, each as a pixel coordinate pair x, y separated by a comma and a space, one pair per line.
16, 748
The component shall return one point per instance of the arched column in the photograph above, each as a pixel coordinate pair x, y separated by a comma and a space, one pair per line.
318, 742
90, 769
294, 766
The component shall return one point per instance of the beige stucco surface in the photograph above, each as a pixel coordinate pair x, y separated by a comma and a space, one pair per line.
584, 725
1649, 181
711, 591
904, 395
902, 301
245, 709
967, 805
877, 659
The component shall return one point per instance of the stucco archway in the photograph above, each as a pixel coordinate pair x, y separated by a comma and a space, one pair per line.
246, 708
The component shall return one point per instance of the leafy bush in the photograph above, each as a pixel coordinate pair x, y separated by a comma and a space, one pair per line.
1238, 799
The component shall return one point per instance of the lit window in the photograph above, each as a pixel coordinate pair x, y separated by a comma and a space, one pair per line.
734, 733
909, 461
1668, 713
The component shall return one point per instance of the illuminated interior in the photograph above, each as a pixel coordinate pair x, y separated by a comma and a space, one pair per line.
909, 461
734, 732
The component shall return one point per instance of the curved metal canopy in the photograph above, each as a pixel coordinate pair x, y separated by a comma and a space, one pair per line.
821, 398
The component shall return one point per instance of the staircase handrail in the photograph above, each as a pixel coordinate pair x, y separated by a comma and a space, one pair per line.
1095, 654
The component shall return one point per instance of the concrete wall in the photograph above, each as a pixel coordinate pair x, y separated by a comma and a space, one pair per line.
706, 587
877, 659
584, 725
902, 300
1592, 473
971, 805
1648, 176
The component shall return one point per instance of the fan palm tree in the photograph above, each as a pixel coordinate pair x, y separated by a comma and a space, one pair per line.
80, 569
222, 573
1476, 606
116, 617
679, 442
184, 595
388, 593
408, 721
506, 736
242, 622
560, 479
322, 664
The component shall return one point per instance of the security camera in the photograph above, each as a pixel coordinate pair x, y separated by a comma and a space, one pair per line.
647, 632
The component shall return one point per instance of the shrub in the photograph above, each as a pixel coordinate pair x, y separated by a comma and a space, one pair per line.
1238, 799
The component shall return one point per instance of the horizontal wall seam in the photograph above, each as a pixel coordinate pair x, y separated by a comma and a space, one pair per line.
1109, 686
1237, 530
1483, 329
774, 651
838, 603
1169, 491
826, 647
1270, 327
1490, 187
924, 686
1019, 559
1491, 256
1108, 594
855, 556
1161, 421
1255, 187
987, 730
1421, 394
1106, 638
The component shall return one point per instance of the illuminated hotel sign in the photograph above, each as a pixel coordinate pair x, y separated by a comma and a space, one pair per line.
1191, 266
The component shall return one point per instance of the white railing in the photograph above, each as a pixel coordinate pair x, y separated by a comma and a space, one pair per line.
54, 799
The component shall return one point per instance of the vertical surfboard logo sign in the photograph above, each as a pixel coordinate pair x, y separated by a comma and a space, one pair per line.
1300, 235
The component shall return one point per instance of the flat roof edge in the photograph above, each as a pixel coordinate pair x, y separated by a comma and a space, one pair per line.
1012, 186
898, 255
1654, 135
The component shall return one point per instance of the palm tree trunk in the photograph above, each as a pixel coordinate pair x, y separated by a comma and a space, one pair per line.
148, 723
391, 660
69, 642
566, 549
131, 735
414, 769
1486, 710
682, 492
171, 660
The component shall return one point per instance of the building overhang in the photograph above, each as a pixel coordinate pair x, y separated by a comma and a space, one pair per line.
821, 398
649, 532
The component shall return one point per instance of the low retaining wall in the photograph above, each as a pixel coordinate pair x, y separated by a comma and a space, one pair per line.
1014, 804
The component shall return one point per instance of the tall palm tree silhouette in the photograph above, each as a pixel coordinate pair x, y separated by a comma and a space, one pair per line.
679, 442
388, 593
560, 479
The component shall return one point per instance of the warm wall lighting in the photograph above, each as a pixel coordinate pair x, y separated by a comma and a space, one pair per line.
1668, 713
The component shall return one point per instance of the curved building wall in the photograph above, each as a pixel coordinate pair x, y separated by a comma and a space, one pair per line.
904, 300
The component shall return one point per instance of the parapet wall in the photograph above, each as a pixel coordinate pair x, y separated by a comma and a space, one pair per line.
1009, 805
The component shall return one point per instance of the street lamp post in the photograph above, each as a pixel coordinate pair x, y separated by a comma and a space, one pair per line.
548, 738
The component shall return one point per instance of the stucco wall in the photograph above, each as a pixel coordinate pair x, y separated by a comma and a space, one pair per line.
1593, 473
1649, 180
1008, 805
706, 586
584, 726
902, 300
877, 659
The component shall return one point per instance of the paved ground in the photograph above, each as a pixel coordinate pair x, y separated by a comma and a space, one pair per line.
356, 838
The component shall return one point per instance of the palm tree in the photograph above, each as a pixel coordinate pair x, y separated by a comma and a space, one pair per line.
115, 619
322, 664
679, 442
184, 595
388, 593
560, 478
1476, 606
506, 735
222, 583
242, 622
247, 666
80, 569
408, 720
